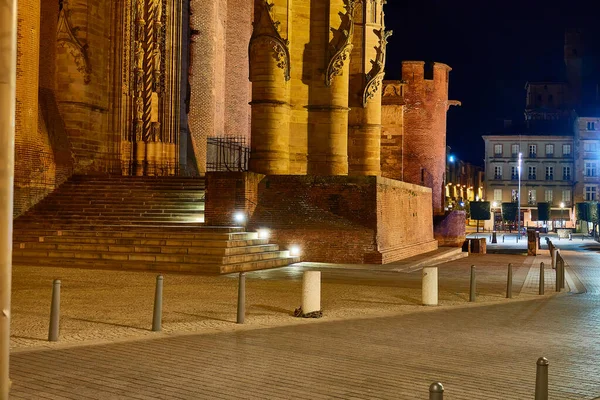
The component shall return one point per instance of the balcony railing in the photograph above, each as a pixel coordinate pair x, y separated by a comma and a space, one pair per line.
531, 177
549, 177
498, 177
531, 202
497, 154
515, 155
549, 155
532, 155
514, 177
566, 177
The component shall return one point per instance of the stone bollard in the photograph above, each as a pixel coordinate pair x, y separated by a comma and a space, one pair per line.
157, 314
436, 391
494, 240
241, 306
570, 236
509, 280
502, 238
562, 272
542, 283
472, 293
430, 286
556, 268
311, 292
54, 312
553, 252
541, 379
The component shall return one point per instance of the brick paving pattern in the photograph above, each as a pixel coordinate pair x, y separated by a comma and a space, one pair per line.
483, 350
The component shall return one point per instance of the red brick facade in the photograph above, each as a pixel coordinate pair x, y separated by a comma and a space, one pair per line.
332, 219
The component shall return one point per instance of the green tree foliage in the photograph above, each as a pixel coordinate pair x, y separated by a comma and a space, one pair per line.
509, 211
543, 211
581, 212
480, 210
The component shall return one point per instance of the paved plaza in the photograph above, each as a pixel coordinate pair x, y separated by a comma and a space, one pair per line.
375, 341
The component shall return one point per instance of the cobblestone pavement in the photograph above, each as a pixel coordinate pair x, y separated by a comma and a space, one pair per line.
482, 350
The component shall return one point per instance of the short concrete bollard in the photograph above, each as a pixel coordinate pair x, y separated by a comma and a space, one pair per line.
509, 280
436, 391
553, 252
556, 268
430, 286
241, 306
472, 294
541, 379
54, 312
311, 292
542, 283
157, 314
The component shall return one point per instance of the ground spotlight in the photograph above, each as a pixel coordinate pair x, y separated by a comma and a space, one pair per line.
239, 217
294, 251
263, 233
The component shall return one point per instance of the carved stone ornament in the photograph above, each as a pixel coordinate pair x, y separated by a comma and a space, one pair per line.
392, 89
266, 33
65, 37
341, 44
375, 76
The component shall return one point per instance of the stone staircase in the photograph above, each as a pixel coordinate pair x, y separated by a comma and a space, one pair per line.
146, 223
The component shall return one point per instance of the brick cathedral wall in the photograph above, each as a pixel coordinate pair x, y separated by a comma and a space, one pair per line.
392, 130
237, 90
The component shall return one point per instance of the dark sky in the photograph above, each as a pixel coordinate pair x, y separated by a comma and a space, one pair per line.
493, 47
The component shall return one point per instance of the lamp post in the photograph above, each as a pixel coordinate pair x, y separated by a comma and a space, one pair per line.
519, 198
562, 209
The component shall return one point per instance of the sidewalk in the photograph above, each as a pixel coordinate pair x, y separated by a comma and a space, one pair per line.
99, 305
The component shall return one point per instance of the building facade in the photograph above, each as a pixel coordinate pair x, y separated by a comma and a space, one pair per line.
587, 159
547, 174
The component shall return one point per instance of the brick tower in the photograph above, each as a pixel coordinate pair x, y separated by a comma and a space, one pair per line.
426, 104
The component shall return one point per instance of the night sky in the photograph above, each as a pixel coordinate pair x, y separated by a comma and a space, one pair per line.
494, 48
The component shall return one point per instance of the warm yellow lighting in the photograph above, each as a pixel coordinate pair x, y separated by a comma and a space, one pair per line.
494, 204
263, 233
562, 205
239, 217
294, 251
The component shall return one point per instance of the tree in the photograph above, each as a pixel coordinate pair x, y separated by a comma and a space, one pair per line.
509, 212
480, 210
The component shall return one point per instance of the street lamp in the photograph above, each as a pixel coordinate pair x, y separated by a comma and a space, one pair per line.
519, 198
562, 209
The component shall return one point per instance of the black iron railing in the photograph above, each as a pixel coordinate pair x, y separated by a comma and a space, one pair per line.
227, 154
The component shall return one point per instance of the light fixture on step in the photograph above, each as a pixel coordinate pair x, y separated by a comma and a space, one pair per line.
294, 251
263, 233
239, 217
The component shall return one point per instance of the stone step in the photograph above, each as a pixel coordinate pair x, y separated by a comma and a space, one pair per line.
174, 207
107, 220
158, 267
137, 234
167, 248
150, 257
142, 241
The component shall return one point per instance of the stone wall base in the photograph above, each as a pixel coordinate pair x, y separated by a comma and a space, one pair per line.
337, 219
449, 229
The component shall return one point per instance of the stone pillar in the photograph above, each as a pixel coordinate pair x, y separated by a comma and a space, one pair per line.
366, 76
330, 46
8, 44
270, 75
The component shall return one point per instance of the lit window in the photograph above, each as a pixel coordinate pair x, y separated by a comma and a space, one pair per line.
566, 149
590, 169
548, 194
514, 195
498, 150
566, 173
532, 150
549, 173
531, 174
566, 196
498, 172
590, 193
549, 150
514, 149
531, 197
498, 194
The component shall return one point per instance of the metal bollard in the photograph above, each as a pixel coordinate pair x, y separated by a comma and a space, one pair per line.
509, 280
541, 379
557, 270
502, 238
241, 310
157, 314
570, 236
472, 294
541, 290
562, 272
54, 312
436, 391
